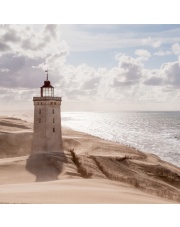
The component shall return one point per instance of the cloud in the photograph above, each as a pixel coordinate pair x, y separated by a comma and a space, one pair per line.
176, 49
95, 39
167, 75
24, 40
171, 72
4, 47
26, 53
4, 70
143, 54
51, 29
153, 42
162, 53
79, 80
91, 84
129, 72
11, 36
17, 72
154, 81
18, 98
104, 37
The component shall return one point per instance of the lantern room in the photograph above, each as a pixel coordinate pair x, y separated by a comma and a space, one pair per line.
47, 90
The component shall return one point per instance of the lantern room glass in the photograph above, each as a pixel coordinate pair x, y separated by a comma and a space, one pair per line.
48, 92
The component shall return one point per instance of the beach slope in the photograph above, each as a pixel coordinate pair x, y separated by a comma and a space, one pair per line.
91, 170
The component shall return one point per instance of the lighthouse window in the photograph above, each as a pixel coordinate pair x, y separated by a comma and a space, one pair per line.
55, 103
38, 103
53, 129
53, 120
39, 120
39, 111
53, 111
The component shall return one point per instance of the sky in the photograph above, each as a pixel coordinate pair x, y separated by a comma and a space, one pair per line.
93, 67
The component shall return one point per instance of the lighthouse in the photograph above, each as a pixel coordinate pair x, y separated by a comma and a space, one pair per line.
47, 136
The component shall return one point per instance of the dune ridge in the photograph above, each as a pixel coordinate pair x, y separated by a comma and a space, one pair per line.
90, 170
152, 178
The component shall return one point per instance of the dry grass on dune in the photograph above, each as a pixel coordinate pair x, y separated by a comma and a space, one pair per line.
151, 178
86, 166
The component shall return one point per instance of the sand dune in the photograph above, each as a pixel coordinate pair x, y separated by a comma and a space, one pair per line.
14, 124
75, 191
91, 170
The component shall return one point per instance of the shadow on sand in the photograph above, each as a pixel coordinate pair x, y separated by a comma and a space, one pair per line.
46, 166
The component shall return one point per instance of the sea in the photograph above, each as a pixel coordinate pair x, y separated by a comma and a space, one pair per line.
152, 132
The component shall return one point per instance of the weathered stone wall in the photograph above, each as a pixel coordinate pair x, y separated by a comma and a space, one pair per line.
47, 125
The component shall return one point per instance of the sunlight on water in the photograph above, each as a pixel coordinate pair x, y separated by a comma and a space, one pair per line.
154, 132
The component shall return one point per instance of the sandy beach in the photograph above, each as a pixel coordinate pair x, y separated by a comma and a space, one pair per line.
90, 170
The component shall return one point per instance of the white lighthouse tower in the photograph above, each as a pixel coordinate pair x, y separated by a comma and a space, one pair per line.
47, 136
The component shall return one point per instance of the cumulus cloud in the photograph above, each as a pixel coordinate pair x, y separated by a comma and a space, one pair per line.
129, 71
171, 72
24, 40
11, 36
154, 81
51, 29
176, 49
167, 75
80, 80
26, 53
4, 47
17, 72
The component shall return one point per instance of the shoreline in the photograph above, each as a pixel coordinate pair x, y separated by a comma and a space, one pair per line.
121, 143
111, 167
125, 144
